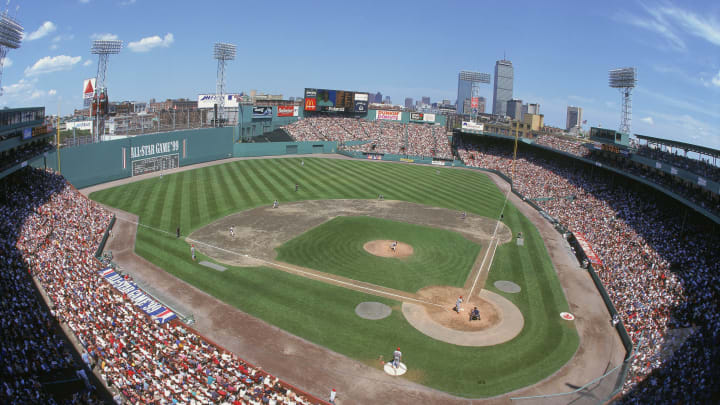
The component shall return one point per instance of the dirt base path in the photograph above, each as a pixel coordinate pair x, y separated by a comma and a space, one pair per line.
305, 364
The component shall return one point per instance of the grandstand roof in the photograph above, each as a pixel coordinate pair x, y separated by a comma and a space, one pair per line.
681, 145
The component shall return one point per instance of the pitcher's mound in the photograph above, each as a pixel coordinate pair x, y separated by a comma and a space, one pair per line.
383, 248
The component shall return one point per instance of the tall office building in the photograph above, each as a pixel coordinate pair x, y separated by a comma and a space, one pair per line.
426, 100
574, 117
378, 97
514, 109
503, 87
409, 102
531, 108
466, 81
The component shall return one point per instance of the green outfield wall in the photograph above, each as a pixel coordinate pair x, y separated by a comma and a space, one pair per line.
283, 148
86, 165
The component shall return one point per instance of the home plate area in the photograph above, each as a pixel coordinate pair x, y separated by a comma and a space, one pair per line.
400, 370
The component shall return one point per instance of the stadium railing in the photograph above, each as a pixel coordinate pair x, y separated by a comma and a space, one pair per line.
101, 246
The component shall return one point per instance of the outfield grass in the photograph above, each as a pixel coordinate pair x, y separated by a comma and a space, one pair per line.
440, 257
324, 313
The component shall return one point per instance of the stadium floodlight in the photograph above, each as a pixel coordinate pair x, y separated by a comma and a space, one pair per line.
103, 49
223, 52
11, 34
624, 79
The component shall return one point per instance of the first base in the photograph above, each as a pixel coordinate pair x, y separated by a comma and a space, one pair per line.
400, 370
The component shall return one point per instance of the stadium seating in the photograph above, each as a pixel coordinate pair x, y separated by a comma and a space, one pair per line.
662, 275
50, 231
382, 136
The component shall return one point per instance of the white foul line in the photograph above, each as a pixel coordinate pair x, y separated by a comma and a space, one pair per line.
492, 239
293, 270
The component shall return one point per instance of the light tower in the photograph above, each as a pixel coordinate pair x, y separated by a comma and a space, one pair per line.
11, 33
103, 49
624, 79
223, 52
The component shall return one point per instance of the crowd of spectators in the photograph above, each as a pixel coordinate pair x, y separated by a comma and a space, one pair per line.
18, 155
381, 136
701, 167
574, 147
50, 232
704, 168
662, 275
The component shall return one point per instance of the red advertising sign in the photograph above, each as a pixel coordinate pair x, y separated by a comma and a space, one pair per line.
389, 115
310, 104
474, 102
589, 252
286, 110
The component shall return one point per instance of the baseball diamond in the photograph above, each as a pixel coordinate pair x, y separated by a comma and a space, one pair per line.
302, 267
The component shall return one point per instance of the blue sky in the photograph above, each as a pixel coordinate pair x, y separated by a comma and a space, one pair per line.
561, 51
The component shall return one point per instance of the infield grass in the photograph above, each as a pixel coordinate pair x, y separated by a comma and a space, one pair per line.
440, 257
324, 313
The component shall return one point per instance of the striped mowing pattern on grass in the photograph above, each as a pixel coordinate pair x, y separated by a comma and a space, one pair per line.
323, 313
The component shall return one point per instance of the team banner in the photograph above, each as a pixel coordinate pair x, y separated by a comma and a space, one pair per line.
361, 106
262, 112
589, 252
389, 115
287, 111
137, 296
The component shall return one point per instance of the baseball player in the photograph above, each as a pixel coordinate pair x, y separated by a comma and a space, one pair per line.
296, 188
397, 356
463, 215
192, 251
393, 246
333, 395
302, 164
276, 204
458, 303
232, 231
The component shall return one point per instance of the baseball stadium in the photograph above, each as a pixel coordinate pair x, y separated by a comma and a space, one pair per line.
336, 249
295, 262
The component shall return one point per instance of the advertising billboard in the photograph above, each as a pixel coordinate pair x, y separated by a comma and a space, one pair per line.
429, 117
88, 91
287, 111
472, 126
209, 100
474, 102
335, 100
262, 112
416, 116
389, 115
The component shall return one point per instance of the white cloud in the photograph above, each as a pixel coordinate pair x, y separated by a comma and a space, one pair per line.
7, 62
37, 94
716, 79
87, 63
84, 1
104, 37
53, 47
50, 64
46, 28
648, 120
19, 87
127, 2
699, 26
52, 92
668, 20
148, 43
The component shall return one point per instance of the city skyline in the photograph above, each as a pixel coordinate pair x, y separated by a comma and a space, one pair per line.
168, 54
